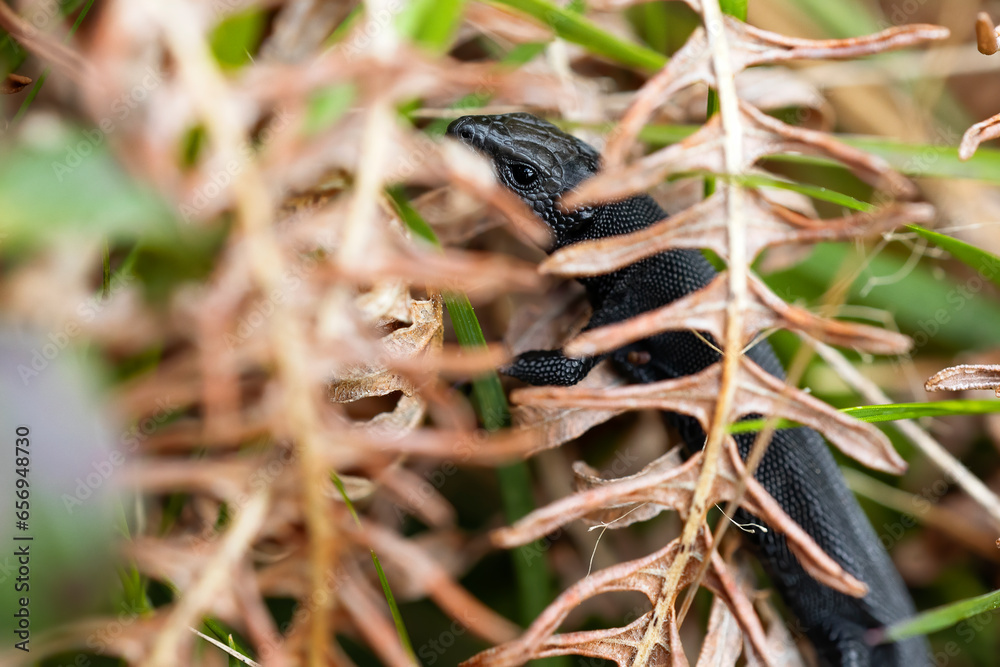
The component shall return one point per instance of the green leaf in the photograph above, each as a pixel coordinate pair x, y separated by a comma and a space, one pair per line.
574, 28
941, 617
326, 106
236, 38
984, 262
73, 187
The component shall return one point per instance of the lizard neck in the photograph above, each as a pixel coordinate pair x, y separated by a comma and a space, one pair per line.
613, 219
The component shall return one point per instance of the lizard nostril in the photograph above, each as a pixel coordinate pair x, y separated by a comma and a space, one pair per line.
467, 133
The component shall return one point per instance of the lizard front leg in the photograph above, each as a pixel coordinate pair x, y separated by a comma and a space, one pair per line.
541, 367
552, 367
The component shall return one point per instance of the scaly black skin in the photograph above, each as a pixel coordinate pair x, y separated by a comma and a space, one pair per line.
539, 162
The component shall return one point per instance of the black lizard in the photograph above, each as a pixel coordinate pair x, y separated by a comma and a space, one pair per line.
539, 163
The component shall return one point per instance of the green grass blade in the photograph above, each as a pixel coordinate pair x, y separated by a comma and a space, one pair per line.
940, 618
45, 73
924, 160
889, 412
984, 262
930, 159
813, 191
575, 28
431, 23
897, 411
515, 479
223, 634
397, 618
847, 18
945, 312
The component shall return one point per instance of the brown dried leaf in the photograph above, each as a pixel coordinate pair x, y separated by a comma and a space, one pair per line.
481, 273
300, 28
649, 640
465, 447
757, 392
130, 641
620, 516
659, 640
659, 485
224, 479
748, 46
374, 379
723, 639
977, 134
179, 562
13, 83
703, 151
504, 23
966, 376
705, 310
704, 226
414, 495
551, 427
987, 35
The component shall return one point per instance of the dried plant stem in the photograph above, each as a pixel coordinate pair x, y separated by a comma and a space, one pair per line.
931, 448
737, 305
253, 209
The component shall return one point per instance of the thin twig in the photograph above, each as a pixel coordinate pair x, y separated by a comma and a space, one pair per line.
947, 463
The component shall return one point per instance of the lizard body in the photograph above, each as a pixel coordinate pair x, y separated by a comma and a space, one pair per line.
539, 163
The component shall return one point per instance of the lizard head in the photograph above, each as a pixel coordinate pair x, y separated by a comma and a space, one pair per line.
535, 160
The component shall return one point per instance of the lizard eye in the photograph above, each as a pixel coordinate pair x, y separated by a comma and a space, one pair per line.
522, 174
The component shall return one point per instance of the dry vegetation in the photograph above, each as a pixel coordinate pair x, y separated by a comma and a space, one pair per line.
236, 264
